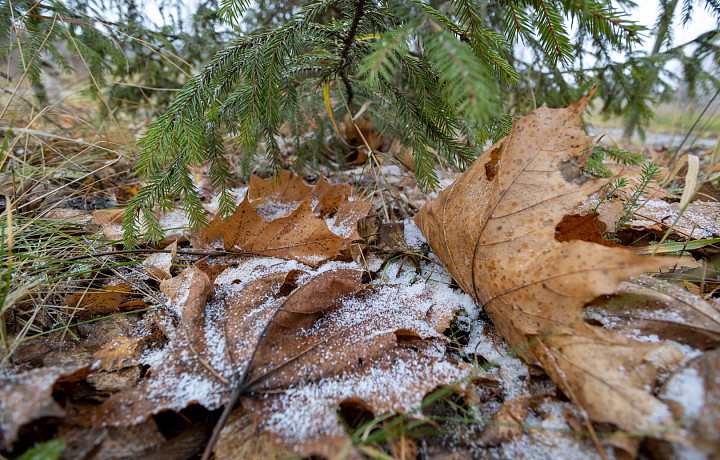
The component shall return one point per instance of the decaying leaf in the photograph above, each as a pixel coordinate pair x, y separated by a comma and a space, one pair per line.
700, 220
89, 302
280, 218
27, 396
116, 353
240, 440
111, 443
495, 230
508, 423
157, 265
306, 340
659, 310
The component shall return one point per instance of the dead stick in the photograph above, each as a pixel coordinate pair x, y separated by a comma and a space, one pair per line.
145, 251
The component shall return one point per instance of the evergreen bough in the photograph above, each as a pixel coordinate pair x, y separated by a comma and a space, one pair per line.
434, 75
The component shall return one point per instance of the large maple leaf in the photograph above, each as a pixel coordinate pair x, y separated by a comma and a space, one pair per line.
494, 229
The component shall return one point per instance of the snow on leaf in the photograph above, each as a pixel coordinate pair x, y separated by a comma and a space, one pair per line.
157, 266
27, 396
305, 341
495, 229
653, 310
283, 218
693, 394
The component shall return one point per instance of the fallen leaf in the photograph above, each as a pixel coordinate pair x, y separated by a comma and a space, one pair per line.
659, 310
306, 342
507, 424
279, 220
111, 381
89, 302
114, 354
110, 442
27, 396
240, 440
158, 265
495, 231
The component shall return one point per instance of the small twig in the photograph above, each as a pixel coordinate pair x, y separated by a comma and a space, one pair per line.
234, 396
202, 361
144, 251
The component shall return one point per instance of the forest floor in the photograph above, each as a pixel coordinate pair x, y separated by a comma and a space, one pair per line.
512, 314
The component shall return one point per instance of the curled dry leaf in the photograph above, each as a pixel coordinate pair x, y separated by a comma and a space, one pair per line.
661, 310
494, 229
280, 218
158, 265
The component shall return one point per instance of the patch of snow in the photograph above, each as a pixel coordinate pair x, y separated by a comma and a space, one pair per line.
271, 210
396, 273
338, 265
688, 452
189, 387
413, 236
253, 268
174, 219
700, 220
686, 388
548, 438
343, 228
308, 411
239, 194
514, 373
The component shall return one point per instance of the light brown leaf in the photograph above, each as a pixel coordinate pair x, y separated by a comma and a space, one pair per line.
610, 375
284, 187
495, 231
116, 353
158, 265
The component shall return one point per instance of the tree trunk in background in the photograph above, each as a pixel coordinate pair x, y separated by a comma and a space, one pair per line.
646, 87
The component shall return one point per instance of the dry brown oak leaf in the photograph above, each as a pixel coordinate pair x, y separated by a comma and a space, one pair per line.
494, 229
306, 342
284, 217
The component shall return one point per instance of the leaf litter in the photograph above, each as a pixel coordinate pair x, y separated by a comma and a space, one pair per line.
305, 332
